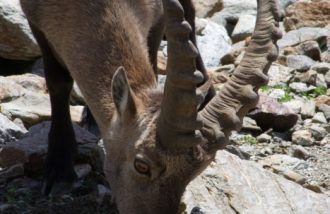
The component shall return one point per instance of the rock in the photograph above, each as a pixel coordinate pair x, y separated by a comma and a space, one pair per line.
284, 162
82, 170
308, 77
102, 192
284, 4
320, 81
289, 174
271, 114
300, 152
314, 13
12, 172
250, 125
326, 141
326, 110
327, 78
233, 10
321, 67
9, 131
310, 49
319, 118
279, 74
264, 138
323, 99
238, 151
302, 137
299, 62
213, 44
295, 105
25, 97
207, 8
244, 27
16, 39
32, 149
298, 36
318, 131
308, 109
200, 25
231, 185
314, 188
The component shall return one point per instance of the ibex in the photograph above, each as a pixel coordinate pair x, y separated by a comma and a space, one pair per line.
156, 142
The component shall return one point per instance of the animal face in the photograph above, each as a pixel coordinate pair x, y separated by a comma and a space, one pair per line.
149, 178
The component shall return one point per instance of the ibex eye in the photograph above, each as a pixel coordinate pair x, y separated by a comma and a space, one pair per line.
142, 167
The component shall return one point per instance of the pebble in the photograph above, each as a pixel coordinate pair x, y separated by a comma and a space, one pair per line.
319, 118
302, 137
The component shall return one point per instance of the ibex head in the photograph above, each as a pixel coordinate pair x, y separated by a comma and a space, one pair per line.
158, 145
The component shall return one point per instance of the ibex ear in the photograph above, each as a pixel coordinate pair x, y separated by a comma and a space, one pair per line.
123, 96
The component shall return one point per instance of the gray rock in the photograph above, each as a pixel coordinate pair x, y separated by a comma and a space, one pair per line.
207, 8
31, 150
233, 9
284, 4
231, 185
327, 78
283, 161
244, 27
310, 49
321, 67
25, 97
318, 131
319, 118
12, 172
279, 74
320, 81
300, 152
300, 35
308, 109
16, 39
299, 62
300, 87
9, 131
302, 137
213, 44
308, 77
264, 138
250, 125
326, 110
295, 105
82, 170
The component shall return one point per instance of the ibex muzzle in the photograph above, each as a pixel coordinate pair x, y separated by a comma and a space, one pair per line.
156, 142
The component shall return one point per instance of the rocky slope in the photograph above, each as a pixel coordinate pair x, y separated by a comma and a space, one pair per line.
278, 163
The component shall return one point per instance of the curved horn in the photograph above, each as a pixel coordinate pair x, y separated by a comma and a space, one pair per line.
224, 113
177, 125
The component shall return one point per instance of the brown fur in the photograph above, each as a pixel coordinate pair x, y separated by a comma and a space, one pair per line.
91, 39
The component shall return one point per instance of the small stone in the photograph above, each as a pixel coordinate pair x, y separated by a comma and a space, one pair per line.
320, 81
312, 187
300, 87
244, 27
318, 132
308, 77
310, 49
238, 151
299, 62
302, 137
323, 99
82, 170
319, 118
12, 172
321, 67
308, 109
300, 152
290, 175
250, 124
327, 78
326, 140
264, 138
326, 110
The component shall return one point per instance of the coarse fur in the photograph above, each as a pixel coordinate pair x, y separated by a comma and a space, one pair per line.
155, 142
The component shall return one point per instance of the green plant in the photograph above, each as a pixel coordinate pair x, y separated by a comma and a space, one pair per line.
248, 139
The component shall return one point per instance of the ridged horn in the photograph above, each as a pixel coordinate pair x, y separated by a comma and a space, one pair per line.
224, 113
178, 125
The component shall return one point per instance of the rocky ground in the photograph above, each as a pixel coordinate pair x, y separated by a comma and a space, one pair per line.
284, 141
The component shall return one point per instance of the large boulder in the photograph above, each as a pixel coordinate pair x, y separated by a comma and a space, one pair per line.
315, 13
231, 185
16, 39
